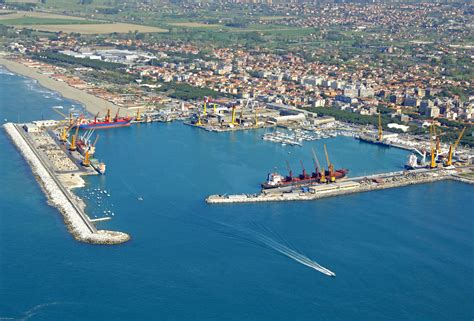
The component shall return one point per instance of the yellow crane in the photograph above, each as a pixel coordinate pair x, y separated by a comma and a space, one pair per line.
380, 135
214, 106
322, 179
73, 146
438, 141
138, 117
64, 133
205, 108
233, 116
86, 162
433, 148
332, 178
199, 123
453, 147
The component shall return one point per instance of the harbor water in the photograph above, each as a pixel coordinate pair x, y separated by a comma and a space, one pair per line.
399, 254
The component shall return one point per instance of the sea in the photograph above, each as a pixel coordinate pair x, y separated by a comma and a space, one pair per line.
398, 254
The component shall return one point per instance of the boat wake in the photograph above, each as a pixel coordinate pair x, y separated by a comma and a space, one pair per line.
292, 254
286, 250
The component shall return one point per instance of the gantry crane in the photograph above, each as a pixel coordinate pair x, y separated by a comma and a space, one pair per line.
452, 148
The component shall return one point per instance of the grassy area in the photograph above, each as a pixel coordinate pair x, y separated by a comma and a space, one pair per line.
43, 21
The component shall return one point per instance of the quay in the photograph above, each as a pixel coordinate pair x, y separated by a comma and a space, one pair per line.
349, 186
57, 177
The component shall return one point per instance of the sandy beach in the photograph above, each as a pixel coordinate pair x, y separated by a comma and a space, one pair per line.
92, 103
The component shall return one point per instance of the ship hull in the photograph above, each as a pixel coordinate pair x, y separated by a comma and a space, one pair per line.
104, 125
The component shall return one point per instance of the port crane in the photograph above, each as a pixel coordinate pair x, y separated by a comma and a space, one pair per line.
432, 147
318, 167
332, 178
86, 162
452, 148
380, 133
73, 146
304, 175
233, 122
107, 117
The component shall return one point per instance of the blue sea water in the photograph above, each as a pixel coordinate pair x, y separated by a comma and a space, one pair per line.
400, 254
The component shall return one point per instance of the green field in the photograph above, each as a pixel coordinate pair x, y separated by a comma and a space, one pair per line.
44, 21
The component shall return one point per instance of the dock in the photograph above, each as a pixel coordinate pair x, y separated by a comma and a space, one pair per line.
348, 186
50, 171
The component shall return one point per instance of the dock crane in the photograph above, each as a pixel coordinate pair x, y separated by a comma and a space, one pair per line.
65, 131
332, 178
86, 162
199, 123
432, 148
452, 148
437, 139
96, 116
138, 117
256, 118
303, 175
73, 146
233, 122
319, 168
380, 134
107, 117
117, 115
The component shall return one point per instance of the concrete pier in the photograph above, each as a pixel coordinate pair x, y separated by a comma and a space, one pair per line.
344, 187
77, 221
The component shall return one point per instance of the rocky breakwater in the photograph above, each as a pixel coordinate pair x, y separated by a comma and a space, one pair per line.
76, 220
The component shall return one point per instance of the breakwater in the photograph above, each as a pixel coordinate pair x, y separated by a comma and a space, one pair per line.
349, 186
76, 220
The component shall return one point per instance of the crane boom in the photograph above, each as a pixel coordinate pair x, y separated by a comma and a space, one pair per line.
96, 139
327, 156
289, 169
315, 158
380, 136
453, 147
459, 138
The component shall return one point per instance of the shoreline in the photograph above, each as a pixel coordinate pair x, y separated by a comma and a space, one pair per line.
92, 104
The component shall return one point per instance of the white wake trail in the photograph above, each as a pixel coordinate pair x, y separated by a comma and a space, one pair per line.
292, 254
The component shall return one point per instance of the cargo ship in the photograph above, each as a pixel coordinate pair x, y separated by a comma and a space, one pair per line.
84, 143
276, 180
107, 122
